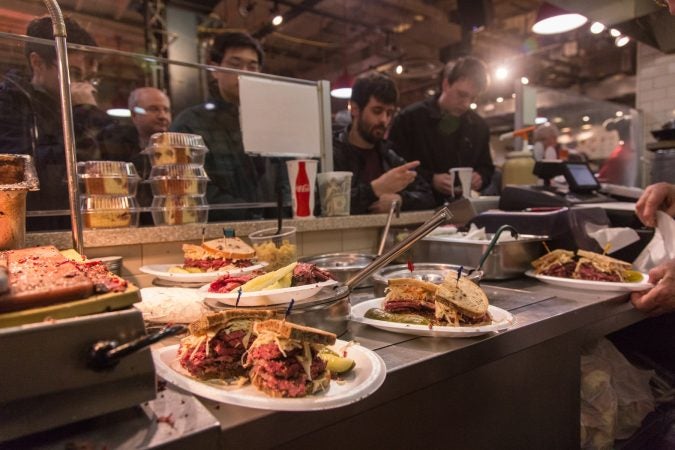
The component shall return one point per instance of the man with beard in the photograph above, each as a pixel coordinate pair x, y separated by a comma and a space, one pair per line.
380, 176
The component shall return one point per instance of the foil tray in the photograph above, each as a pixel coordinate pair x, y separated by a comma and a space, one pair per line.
45, 380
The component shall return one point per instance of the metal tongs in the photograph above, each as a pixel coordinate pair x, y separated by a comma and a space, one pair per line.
491, 245
395, 208
441, 216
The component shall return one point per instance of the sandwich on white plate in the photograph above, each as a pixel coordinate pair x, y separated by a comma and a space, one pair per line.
220, 254
216, 343
284, 359
461, 302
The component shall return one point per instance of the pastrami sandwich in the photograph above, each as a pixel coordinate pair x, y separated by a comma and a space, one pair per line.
558, 263
597, 267
218, 254
461, 302
284, 359
410, 295
217, 342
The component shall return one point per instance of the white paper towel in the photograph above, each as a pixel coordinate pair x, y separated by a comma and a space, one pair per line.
617, 238
662, 246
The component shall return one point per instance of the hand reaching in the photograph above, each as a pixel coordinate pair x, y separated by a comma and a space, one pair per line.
395, 180
660, 196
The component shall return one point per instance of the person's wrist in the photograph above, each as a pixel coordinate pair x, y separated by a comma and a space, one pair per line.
377, 188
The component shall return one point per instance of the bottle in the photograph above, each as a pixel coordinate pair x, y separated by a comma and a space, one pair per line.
302, 191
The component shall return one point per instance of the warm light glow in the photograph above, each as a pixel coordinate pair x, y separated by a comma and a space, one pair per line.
431, 92
619, 114
565, 130
473, 106
557, 120
399, 69
278, 19
489, 107
585, 118
513, 95
586, 126
118, 112
540, 120
501, 73
597, 28
500, 99
345, 92
559, 24
621, 41
614, 33
524, 80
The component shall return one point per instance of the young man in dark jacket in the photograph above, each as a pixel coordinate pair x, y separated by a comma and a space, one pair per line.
380, 175
443, 132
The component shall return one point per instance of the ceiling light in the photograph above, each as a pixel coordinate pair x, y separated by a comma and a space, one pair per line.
399, 69
432, 92
585, 118
489, 107
619, 114
119, 112
342, 88
402, 27
621, 41
419, 18
524, 80
278, 19
586, 126
500, 99
614, 33
501, 73
554, 20
597, 28
513, 95
540, 120
474, 106
557, 120
565, 130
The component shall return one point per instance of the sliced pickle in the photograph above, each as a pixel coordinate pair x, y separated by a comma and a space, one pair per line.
336, 363
380, 314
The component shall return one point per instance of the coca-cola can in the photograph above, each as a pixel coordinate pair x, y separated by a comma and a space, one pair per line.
302, 179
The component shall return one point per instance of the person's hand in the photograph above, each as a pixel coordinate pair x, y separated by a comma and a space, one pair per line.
476, 181
661, 298
655, 197
442, 182
383, 204
83, 93
395, 180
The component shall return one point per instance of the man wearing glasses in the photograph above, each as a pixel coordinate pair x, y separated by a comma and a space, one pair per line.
30, 112
234, 175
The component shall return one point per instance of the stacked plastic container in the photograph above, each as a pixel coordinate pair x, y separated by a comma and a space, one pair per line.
177, 178
108, 197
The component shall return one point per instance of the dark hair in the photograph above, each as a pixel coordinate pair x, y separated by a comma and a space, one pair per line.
621, 125
234, 40
374, 84
470, 68
42, 28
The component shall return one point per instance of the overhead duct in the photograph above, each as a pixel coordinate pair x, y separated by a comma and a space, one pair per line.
642, 20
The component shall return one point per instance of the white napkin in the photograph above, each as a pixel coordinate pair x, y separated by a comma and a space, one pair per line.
662, 246
617, 238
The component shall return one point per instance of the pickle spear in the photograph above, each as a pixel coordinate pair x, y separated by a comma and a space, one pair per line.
380, 314
336, 363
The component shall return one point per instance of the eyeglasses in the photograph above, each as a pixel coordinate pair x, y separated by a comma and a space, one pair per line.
77, 75
240, 64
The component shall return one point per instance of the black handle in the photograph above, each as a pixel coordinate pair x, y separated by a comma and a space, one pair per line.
493, 242
106, 354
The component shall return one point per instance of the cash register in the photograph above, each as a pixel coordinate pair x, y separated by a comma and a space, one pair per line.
583, 188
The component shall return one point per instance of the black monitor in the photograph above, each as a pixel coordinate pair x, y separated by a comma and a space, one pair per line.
548, 169
580, 178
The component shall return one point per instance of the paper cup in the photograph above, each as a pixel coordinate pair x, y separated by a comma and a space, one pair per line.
464, 174
302, 178
335, 193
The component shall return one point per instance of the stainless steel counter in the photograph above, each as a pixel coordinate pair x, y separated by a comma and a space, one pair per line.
514, 389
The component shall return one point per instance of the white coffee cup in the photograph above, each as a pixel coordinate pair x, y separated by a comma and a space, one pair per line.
335, 193
464, 174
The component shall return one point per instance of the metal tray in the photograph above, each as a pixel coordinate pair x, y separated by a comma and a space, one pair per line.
509, 259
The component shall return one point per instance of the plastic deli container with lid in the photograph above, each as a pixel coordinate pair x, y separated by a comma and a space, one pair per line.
107, 178
179, 209
178, 179
109, 211
176, 148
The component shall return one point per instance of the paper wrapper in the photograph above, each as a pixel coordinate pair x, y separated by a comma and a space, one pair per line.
617, 238
662, 246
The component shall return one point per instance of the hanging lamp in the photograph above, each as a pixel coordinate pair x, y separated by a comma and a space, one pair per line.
553, 20
342, 87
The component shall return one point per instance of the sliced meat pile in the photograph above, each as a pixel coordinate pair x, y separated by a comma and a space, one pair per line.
305, 273
223, 360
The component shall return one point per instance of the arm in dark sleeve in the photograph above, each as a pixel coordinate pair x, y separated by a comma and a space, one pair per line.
15, 125
362, 195
417, 195
88, 122
402, 135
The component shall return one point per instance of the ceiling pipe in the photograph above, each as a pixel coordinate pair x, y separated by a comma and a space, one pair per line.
59, 27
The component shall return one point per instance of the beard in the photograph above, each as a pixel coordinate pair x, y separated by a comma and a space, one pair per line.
368, 134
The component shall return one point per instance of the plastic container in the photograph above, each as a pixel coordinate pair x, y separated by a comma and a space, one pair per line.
176, 148
107, 178
178, 179
109, 211
277, 249
179, 209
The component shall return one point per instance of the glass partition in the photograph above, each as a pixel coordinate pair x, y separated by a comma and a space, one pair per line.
111, 124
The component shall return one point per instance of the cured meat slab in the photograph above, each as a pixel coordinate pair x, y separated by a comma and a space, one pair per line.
41, 276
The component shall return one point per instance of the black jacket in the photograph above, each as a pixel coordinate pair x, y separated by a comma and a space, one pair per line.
30, 124
417, 195
416, 136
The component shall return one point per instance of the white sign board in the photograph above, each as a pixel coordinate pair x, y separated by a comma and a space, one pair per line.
279, 118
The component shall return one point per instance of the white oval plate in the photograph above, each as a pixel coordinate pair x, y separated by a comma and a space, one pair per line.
366, 377
270, 297
591, 285
161, 271
501, 320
